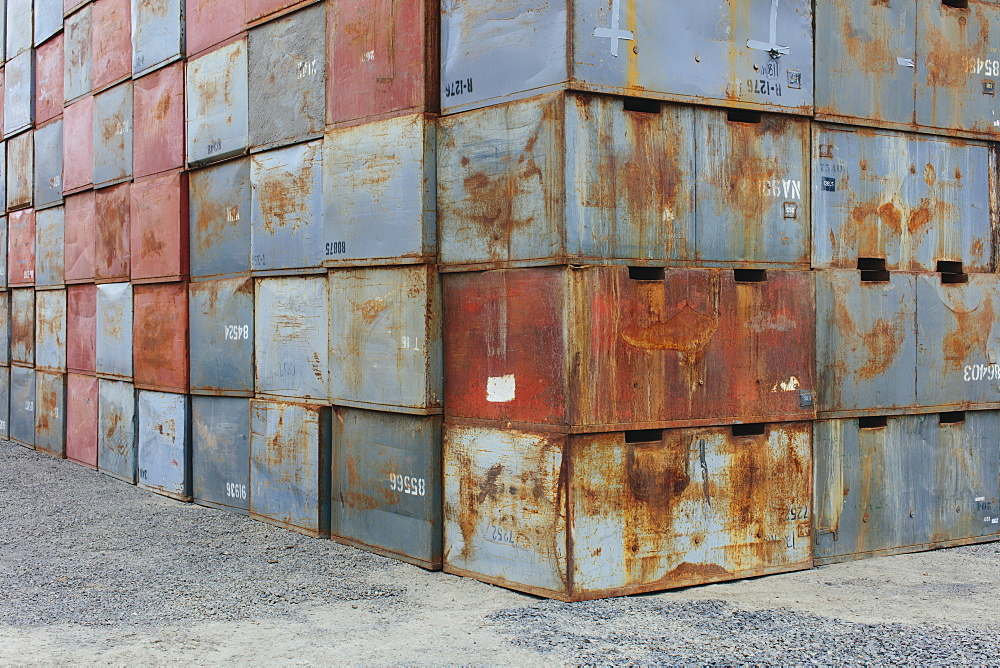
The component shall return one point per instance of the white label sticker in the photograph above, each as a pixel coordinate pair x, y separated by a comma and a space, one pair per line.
500, 389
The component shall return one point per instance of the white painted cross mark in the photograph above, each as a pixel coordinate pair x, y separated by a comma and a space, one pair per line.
771, 46
615, 32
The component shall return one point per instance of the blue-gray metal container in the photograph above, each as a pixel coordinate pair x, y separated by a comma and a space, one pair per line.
50, 413
165, 444
48, 19
113, 135
114, 330
216, 97
19, 93
50, 330
22, 405
157, 34
22, 326
5, 402
49, 164
78, 54
19, 26
220, 452
220, 219
50, 249
222, 337
4, 328
117, 435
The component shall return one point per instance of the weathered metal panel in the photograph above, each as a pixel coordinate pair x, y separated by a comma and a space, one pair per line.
290, 466
3, 251
596, 347
113, 254
81, 419
385, 338
48, 19
958, 341
20, 170
78, 69
866, 342
383, 58
159, 219
113, 135
19, 27
158, 139
220, 452
157, 34
19, 93
114, 330
209, 22
48, 176
257, 9
21, 247
22, 405
111, 55
5, 403
22, 326
5, 327
286, 208
380, 192
220, 219
222, 337
387, 484
49, 79
50, 330
217, 107
160, 337
165, 444
70, 6
287, 70
3, 31
49, 247
291, 325
116, 436
81, 327
80, 237
50, 413
908, 199
78, 145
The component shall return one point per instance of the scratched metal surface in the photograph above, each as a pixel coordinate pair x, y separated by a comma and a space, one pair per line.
49, 79
22, 405
164, 444
117, 437
50, 330
19, 93
290, 466
47, 15
114, 330
81, 419
3, 244
5, 326
157, 33
48, 177
81, 327
22, 326
112, 239
222, 337
914, 483
77, 72
160, 337
5, 402
50, 253
158, 138
386, 477
111, 56
78, 145
217, 109
113, 112
220, 219
209, 22
20, 170
159, 219
19, 26
220, 452
80, 237
50, 413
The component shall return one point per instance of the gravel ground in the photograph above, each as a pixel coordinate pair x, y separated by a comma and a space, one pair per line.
96, 571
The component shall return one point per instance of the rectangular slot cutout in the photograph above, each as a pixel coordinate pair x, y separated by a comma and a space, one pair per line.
646, 273
749, 429
641, 105
873, 270
644, 436
956, 4
951, 272
954, 417
750, 275
877, 422
742, 116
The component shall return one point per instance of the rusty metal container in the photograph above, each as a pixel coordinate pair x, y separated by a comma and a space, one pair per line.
113, 254
591, 348
595, 515
5, 327
222, 337
114, 331
382, 60
159, 236
48, 17
220, 219
866, 342
220, 452
81, 327
755, 54
81, 419
290, 466
386, 480
157, 34
286, 209
49, 80
291, 325
50, 330
50, 413
160, 337
117, 432
22, 326
78, 145
80, 237
905, 483
910, 200
48, 177
19, 93
22, 405
49, 248
958, 341
19, 27
5, 403
287, 70
113, 135
380, 192
158, 138
209, 22
78, 68
258, 9
216, 95
164, 421
20, 170
385, 338
111, 56
21, 247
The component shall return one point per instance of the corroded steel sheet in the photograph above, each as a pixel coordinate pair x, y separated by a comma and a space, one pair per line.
21, 247
81, 419
5, 402
216, 97
164, 444
158, 138
112, 252
116, 434
22, 326
157, 34
48, 177
49, 79
78, 145
159, 222
113, 135
5, 326
258, 9
20, 170
80, 237
222, 337
220, 219
210, 22
220, 452
114, 330
50, 247
19, 93
22, 405
111, 56
77, 32
50, 330
50, 413
81, 327
160, 337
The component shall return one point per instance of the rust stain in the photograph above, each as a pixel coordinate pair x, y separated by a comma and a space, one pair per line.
371, 309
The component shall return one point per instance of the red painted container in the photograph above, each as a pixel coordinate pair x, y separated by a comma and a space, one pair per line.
258, 9
21, 250
49, 79
112, 250
160, 228
160, 337
382, 59
80, 237
111, 55
78, 145
158, 126
606, 348
81, 327
210, 22
81, 419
